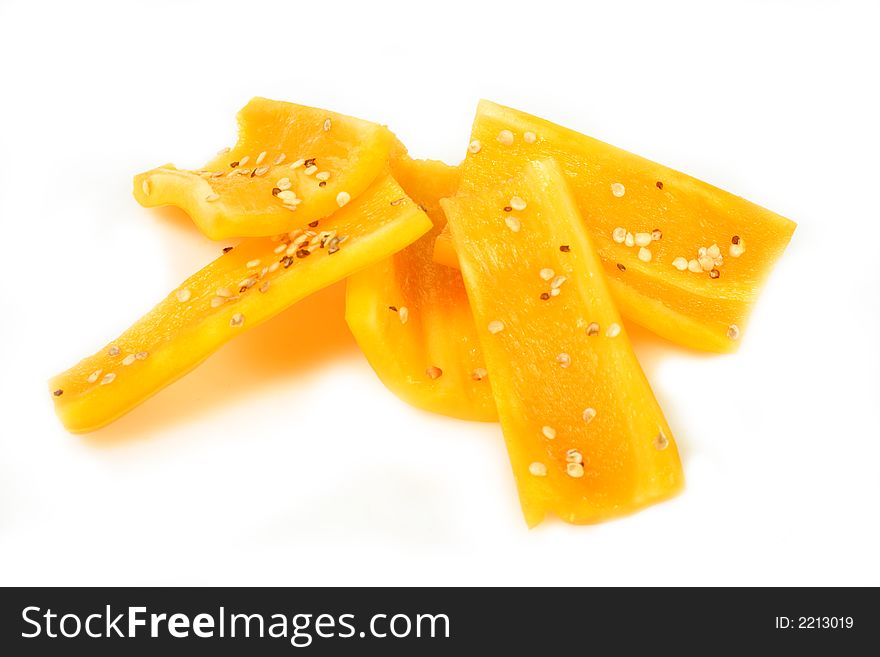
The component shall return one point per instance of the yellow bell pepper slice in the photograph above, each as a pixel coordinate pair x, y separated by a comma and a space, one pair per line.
682, 258
292, 164
586, 437
246, 286
411, 318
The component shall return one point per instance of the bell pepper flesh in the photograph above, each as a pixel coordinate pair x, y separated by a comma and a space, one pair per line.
244, 287
586, 438
410, 315
321, 154
614, 189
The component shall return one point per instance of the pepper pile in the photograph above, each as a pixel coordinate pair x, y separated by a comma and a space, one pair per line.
494, 290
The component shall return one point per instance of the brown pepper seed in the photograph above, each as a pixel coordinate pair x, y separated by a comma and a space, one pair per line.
661, 442
303, 253
313, 224
621, 266
323, 183
714, 273
659, 185
734, 239
434, 372
565, 248
227, 249
276, 191
58, 392
545, 295
508, 208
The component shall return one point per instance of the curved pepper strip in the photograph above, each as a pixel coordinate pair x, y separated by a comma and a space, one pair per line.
411, 318
246, 286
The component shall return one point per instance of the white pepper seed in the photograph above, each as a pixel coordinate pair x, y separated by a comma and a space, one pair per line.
538, 469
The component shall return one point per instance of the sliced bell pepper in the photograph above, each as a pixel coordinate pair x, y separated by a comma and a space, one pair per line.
682, 258
411, 318
246, 286
586, 437
292, 164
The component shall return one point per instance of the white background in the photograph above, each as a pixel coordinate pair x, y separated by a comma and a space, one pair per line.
283, 460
